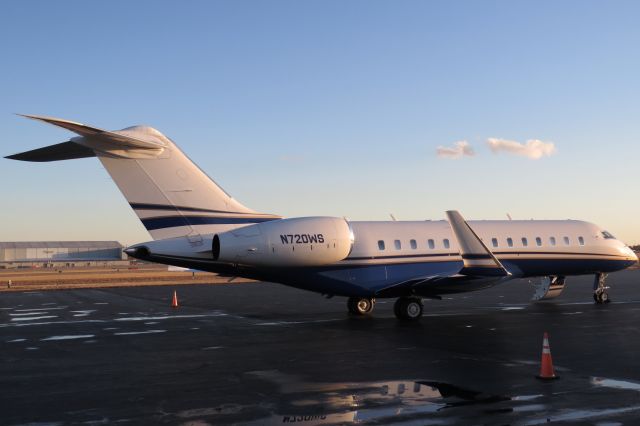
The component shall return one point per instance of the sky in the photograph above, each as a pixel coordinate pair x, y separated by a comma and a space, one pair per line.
359, 109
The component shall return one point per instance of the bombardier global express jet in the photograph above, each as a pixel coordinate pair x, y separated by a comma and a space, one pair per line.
196, 224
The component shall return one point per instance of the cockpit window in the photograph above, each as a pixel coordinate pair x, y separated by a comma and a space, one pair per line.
607, 235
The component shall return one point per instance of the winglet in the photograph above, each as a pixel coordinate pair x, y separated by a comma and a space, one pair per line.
478, 259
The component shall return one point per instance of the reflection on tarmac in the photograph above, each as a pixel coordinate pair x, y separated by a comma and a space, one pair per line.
368, 402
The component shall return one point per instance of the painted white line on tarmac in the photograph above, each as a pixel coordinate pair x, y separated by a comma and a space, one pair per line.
34, 318
68, 337
35, 310
164, 317
130, 333
106, 321
297, 322
25, 314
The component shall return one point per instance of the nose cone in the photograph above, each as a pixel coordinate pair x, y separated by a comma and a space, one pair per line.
631, 256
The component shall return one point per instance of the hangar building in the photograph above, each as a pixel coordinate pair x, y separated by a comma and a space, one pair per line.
67, 253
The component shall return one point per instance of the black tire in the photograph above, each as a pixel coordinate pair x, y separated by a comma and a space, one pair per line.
408, 308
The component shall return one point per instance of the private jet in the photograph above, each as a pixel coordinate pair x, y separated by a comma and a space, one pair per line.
195, 224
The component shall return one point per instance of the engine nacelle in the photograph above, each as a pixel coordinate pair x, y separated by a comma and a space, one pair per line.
548, 288
305, 241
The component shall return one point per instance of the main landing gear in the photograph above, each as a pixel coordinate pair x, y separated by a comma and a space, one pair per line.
600, 294
360, 305
405, 308
408, 308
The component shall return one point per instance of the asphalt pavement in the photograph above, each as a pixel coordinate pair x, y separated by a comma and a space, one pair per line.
262, 353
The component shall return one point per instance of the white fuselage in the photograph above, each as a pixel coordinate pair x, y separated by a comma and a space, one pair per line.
419, 241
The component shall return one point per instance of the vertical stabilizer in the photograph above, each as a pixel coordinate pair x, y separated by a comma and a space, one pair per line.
169, 193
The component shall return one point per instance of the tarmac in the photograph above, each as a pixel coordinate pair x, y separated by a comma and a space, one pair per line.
260, 353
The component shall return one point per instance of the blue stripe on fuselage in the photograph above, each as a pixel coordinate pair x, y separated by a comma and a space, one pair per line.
170, 207
174, 221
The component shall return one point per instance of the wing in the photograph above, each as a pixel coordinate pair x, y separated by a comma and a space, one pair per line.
476, 256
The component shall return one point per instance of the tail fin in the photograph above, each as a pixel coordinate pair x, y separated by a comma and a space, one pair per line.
169, 193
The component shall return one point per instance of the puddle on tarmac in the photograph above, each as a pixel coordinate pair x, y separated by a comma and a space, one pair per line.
426, 402
421, 402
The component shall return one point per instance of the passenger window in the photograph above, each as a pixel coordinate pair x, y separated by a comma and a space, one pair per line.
446, 243
432, 244
538, 241
509, 242
414, 245
380, 245
566, 241
552, 241
494, 242
524, 242
397, 244
581, 241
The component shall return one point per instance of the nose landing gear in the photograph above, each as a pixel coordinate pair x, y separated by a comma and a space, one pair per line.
600, 293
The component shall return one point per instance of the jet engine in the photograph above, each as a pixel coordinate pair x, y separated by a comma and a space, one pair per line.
305, 241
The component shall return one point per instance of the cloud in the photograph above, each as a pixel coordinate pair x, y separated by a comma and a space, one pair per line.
533, 148
460, 149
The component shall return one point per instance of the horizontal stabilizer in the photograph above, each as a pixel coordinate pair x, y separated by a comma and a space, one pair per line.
62, 151
137, 142
476, 256
121, 139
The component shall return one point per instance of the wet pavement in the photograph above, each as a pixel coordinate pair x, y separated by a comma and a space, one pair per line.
266, 354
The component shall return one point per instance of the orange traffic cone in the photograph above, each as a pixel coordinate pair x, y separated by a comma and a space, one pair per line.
546, 367
174, 300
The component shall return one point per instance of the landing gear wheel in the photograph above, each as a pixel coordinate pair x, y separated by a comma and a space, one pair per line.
408, 308
601, 297
600, 294
360, 305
